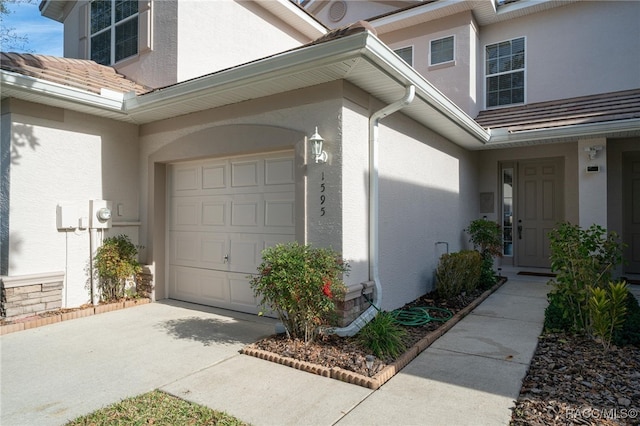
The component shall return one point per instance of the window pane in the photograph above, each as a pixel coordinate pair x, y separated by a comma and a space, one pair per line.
492, 84
442, 50
503, 86
101, 48
518, 61
504, 49
125, 8
406, 53
517, 45
100, 15
517, 96
504, 64
127, 39
492, 51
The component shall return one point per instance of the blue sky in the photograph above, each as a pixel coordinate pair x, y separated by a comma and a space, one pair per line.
44, 34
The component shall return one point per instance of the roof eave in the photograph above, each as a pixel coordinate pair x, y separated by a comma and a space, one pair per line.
54, 9
503, 138
295, 16
29, 88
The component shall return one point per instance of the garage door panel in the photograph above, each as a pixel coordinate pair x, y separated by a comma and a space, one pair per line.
214, 176
244, 213
198, 285
214, 213
185, 282
185, 249
279, 171
224, 212
213, 251
186, 212
241, 292
186, 178
245, 253
279, 213
244, 173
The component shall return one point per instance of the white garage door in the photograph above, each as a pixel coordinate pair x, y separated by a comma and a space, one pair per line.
224, 212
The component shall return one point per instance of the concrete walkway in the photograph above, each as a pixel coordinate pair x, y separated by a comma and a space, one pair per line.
471, 375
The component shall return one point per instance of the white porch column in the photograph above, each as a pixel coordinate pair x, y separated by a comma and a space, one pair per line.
592, 184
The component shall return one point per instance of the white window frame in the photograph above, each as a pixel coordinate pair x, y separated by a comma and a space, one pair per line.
450, 61
523, 70
395, 50
112, 29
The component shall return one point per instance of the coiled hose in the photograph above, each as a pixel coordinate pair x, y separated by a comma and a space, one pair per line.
417, 315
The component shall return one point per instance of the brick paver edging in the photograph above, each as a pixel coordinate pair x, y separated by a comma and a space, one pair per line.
65, 316
390, 370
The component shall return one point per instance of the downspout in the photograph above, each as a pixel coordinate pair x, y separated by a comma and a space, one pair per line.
374, 121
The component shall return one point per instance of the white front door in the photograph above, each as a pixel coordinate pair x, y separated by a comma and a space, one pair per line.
223, 213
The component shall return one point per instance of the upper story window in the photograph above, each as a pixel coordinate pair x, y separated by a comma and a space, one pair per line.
406, 53
114, 30
441, 50
505, 66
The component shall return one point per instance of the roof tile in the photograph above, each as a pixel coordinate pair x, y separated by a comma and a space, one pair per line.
598, 108
77, 73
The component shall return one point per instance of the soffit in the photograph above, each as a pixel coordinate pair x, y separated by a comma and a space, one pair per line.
485, 12
54, 9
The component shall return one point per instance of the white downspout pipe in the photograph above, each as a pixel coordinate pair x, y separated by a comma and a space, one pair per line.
374, 121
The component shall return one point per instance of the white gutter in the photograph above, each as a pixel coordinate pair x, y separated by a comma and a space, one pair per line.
12, 81
503, 137
374, 227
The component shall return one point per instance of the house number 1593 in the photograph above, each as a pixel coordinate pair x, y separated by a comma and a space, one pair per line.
323, 198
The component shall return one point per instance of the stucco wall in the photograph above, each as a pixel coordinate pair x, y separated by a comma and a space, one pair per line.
214, 35
457, 79
428, 194
428, 191
191, 38
589, 39
62, 157
250, 124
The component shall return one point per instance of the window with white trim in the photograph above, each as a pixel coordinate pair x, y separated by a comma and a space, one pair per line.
504, 69
406, 53
441, 50
114, 30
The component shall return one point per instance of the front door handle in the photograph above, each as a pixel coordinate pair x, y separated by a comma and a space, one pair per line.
226, 258
520, 229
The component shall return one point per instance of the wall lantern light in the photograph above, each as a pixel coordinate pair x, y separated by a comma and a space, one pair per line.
593, 151
316, 148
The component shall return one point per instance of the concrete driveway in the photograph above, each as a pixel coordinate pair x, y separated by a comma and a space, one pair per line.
55, 373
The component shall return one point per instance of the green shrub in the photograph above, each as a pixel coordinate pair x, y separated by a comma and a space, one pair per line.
458, 272
555, 319
115, 262
607, 310
300, 285
486, 237
383, 336
629, 333
582, 260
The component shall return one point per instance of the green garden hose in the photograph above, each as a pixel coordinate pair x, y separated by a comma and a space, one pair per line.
416, 316
420, 315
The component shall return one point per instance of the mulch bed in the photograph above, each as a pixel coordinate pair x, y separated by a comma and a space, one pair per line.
572, 380
347, 355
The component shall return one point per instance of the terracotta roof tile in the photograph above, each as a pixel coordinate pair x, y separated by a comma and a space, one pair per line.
581, 110
77, 73
353, 28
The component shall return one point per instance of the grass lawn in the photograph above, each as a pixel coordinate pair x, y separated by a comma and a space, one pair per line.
156, 408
